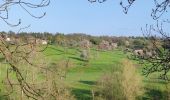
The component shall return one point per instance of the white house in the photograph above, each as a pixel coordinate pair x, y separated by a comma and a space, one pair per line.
44, 42
8, 39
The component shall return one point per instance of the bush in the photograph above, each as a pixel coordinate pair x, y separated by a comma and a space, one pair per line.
131, 81
110, 88
123, 84
85, 55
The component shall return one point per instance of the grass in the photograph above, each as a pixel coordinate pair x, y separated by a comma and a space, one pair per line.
81, 79
82, 76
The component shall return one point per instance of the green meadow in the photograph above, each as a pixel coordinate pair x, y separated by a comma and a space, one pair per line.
81, 78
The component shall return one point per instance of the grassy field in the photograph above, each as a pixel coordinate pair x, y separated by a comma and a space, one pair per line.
82, 76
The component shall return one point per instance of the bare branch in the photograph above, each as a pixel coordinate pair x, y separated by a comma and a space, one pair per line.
25, 5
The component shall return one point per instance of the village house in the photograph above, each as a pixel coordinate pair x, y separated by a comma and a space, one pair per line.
8, 39
34, 40
44, 42
12, 39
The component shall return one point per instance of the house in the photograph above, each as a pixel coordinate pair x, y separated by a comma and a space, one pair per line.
8, 39
44, 42
37, 41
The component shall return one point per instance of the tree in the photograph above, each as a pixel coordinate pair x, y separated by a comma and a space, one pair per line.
12, 56
138, 44
161, 61
16, 53
5, 5
160, 8
120, 84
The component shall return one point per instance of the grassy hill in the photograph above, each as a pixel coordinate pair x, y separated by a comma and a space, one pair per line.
81, 75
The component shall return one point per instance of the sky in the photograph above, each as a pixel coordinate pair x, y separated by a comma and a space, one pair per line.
81, 16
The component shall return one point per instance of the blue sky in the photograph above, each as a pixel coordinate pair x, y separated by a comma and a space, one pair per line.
81, 16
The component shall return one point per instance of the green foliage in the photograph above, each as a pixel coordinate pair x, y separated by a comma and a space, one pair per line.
121, 42
95, 41
138, 44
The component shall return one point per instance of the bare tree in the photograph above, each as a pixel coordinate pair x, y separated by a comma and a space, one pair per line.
160, 61
14, 54
161, 6
28, 5
17, 52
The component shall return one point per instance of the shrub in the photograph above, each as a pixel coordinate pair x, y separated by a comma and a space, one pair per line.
120, 84
85, 55
110, 88
131, 81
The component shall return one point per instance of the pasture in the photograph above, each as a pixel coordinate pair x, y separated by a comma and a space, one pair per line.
81, 76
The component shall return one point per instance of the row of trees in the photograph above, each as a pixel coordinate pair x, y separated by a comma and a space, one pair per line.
72, 39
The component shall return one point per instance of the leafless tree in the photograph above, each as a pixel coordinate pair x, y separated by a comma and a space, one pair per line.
14, 53
161, 6
28, 5
160, 61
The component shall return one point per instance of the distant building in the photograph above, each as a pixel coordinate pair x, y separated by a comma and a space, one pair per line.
44, 42
40, 41
8, 39
37, 41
